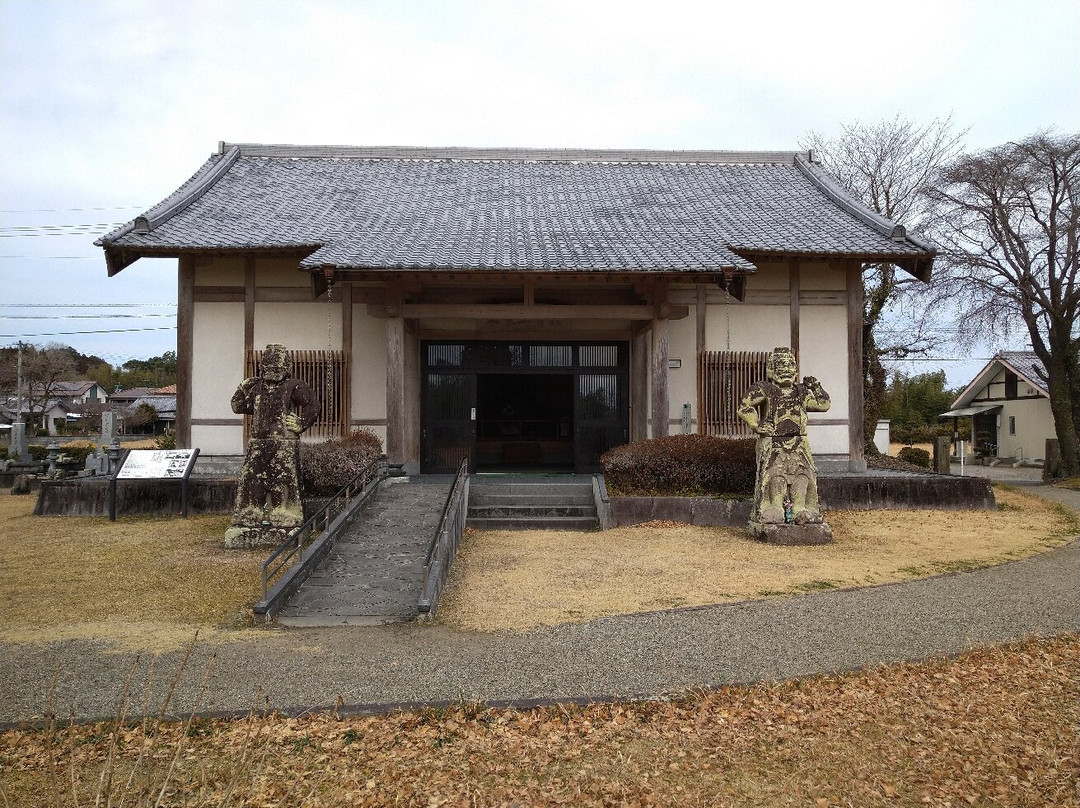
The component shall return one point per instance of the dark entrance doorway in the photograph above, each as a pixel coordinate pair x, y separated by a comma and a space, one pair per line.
524, 421
522, 406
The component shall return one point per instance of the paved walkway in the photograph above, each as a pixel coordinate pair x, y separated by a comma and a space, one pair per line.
373, 575
378, 667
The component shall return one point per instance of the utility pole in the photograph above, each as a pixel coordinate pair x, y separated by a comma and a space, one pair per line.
18, 389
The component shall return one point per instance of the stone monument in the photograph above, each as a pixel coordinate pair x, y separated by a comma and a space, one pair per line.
786, 508
268, 496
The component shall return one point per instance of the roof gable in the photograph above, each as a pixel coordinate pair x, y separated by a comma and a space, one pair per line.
478, 209
1025, 364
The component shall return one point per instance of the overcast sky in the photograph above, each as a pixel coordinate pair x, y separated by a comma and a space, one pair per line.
107, 107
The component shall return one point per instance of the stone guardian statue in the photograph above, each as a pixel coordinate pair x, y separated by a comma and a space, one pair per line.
786, 508
268, 497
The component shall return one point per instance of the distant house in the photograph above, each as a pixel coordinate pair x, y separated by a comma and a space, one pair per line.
1009, 406
164, 406
80, 392
44, 417
516, 307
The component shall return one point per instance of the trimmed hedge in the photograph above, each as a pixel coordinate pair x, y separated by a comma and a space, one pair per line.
326, 467
914, 456
681, 465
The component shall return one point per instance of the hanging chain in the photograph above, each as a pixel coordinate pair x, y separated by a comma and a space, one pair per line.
727, 313
330, 365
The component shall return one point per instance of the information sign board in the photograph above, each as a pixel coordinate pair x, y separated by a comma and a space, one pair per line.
157, 464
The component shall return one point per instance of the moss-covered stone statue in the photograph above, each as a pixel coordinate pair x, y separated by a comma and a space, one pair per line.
268, 503
786, 509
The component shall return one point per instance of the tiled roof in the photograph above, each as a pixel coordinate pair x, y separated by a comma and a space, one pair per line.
1025, 364
355, 208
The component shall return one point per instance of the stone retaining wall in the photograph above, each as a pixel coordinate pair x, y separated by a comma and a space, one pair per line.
849, 492
90, 497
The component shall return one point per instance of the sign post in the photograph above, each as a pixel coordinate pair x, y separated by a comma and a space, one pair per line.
154, 464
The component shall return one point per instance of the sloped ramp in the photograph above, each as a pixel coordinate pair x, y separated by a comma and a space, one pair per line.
374, 573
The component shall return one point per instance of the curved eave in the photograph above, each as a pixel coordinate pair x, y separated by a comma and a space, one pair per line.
919, 266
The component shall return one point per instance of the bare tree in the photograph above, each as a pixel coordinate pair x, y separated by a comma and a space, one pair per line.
891, 167
1011, 227
42, 369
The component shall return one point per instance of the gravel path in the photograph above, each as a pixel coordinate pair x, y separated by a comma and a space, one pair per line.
628, 655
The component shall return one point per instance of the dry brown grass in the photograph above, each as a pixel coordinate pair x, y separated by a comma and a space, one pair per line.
144, 582
992, 727
515, 580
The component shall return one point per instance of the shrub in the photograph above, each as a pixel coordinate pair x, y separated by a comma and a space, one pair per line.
77, 451
916, 457
326, 467
681, 465
166, 441
38, 452
3, 453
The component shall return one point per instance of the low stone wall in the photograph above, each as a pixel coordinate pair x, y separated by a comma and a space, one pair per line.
90, 497
847, 492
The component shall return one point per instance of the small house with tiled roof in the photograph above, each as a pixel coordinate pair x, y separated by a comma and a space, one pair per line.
1008, 403
523, 308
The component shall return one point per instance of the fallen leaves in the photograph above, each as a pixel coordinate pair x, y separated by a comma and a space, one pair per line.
880, 737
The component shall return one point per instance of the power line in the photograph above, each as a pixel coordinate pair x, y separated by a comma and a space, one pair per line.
81, 316
74, 333
68, 210
56, 230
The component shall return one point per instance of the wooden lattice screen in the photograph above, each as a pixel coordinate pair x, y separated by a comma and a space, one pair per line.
723, 378
327, 372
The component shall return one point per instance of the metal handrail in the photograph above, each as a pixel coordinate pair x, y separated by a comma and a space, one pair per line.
319, 522
444, 543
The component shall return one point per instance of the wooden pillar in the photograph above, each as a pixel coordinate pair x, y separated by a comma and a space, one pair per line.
185, 346
395, 377
794, 284
639, 385
249, 304
660, 342
412, 398
700, 314
856, 438
346, 354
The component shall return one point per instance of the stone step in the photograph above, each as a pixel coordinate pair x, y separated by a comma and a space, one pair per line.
514, 510
567, 489
582, 523
482, 496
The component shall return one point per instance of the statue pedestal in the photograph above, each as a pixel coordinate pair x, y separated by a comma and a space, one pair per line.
792, 535
244, 538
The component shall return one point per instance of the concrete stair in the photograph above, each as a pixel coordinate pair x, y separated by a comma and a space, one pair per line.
532, 503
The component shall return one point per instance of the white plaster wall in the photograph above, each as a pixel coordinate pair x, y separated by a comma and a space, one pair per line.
281, 272
1034, 424
300, 326
753, 328
223, 271
218, 368
823, 353
218, 440
818, 276
770, 275
369, 367
682, 382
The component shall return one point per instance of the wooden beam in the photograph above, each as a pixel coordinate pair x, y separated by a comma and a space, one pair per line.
501, 311
855, 302
185, 346
794, 287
